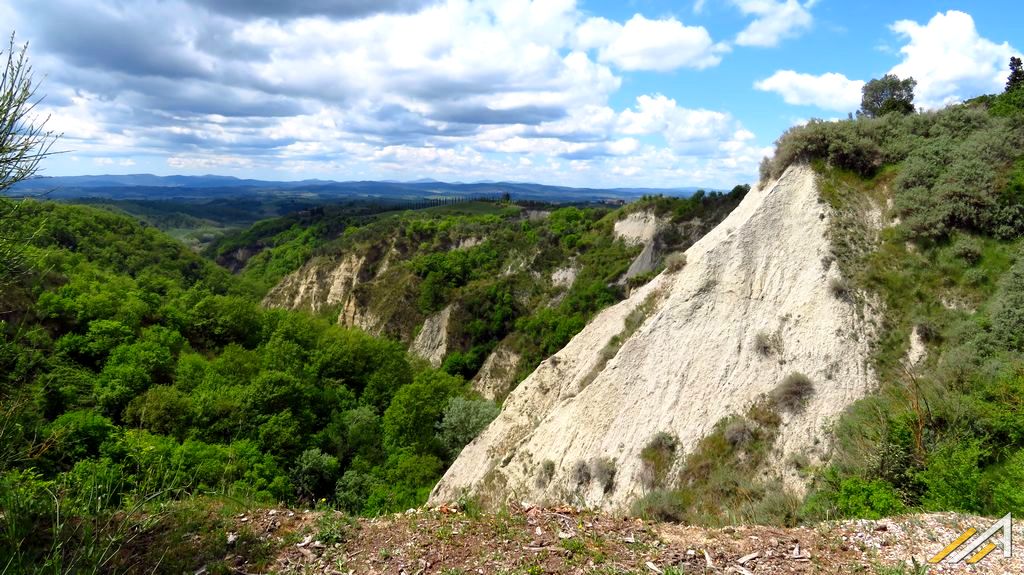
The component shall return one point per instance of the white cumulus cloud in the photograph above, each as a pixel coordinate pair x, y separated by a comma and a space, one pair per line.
643, 44
692, 130
831, 91
774, 20
472, 89
950, 60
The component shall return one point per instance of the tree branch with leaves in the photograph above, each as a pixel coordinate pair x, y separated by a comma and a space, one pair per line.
24, 142
24, 139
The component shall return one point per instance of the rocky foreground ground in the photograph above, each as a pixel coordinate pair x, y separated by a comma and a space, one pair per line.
539, 541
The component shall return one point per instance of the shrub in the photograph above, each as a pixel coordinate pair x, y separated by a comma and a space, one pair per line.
315, 473
1006, 480
968, 249
775, 506
162, 409
928, 332
675, 262
839, 287
603, 469
767, 343
661, 505
1008, 307
353, 489
78, 435
641, 279
658, 456
545, 473
739, 432
859, 498
464, 419
581, 474
793, 393
952, 475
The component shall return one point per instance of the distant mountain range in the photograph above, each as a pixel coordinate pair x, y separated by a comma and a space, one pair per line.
151, 187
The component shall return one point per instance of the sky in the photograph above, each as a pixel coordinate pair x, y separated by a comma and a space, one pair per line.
628, 93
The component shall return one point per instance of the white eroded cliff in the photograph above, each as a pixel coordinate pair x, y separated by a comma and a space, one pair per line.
691, 361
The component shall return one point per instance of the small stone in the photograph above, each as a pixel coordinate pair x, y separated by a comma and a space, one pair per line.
748, 558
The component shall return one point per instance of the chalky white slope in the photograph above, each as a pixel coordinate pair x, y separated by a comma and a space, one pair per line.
692, 361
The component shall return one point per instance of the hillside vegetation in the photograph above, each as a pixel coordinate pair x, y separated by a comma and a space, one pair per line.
147, 398
199, 222
134, 373
496, 266
947, 432
929, 216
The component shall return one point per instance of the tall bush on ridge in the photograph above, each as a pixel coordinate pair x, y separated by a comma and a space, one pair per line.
886, 95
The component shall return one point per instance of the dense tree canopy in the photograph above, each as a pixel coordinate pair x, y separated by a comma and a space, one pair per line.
886, 95
125, 354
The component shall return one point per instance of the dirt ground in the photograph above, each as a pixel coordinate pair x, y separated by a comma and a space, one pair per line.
563, 541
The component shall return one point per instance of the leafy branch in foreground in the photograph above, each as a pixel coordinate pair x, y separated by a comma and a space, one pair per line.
24, 142
24, 139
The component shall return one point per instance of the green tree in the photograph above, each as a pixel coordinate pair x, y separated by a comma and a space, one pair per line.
463, 420
887, 94
78, 435
410, 419
314, 474
1016, 78
162, 409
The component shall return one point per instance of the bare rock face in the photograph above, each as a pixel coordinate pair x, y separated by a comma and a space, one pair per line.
497, 376
324, 282
645, 262
317, 284
690, 361
642, 228
638, 228
563, 278
918, 350
432, 342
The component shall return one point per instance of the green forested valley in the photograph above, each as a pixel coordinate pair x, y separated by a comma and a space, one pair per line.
141, 381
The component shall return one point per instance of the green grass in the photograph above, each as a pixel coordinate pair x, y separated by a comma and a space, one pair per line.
914, 568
